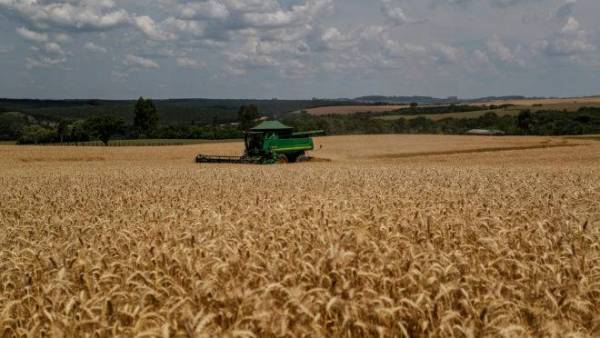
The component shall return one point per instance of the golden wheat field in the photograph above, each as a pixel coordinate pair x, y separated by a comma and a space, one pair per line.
568, 104
394, 236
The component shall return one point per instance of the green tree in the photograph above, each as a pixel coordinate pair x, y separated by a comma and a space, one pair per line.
247, 116
78, 131
36, 134
104, 127
11, 125
524, 121
214, 126
62, 129
146, 116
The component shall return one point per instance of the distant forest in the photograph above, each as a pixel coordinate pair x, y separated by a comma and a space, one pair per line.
175, 111
585, 120
48, 121
77, 121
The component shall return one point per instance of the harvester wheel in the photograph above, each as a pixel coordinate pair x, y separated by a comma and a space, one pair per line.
282, 159
302, 158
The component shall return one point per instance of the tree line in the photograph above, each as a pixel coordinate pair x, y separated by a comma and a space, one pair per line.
146, 124
198, 111
103, 127
27, 130
584, 121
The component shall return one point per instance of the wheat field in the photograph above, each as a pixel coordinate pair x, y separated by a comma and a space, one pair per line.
567, 104
394, 236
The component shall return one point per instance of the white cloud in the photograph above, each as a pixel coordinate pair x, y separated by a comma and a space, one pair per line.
94, 47
570, 40
186, 62
211, 9
500, 51
298, 14
334, 39
32, 35
296, 69
447, 54
149, 27
279, 18
481, 60
54, 48
174, 26
233, 70
135, 61
72, 15
560, 45
571, 26
62, 37
43, 62
393, 13
398, 49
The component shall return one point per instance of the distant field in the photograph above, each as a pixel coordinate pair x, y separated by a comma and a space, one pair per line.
463, 115
581, 101
570, 106
353, 109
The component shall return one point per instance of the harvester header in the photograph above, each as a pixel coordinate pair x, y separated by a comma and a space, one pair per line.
270, 142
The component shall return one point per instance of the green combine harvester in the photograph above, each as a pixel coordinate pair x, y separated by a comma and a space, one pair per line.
268, 143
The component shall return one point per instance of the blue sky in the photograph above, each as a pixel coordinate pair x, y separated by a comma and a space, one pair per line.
298, 48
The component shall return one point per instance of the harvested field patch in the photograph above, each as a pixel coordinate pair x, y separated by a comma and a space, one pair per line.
360, 148
472, 151
584, 137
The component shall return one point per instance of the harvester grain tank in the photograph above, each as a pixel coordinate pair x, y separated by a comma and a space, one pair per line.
270, 142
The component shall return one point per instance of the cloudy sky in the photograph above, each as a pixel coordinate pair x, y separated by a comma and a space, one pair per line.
298, 48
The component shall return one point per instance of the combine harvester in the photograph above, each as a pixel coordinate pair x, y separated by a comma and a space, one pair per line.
268, 143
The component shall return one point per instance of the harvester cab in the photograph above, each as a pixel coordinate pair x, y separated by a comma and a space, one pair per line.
254, 143
270, 142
